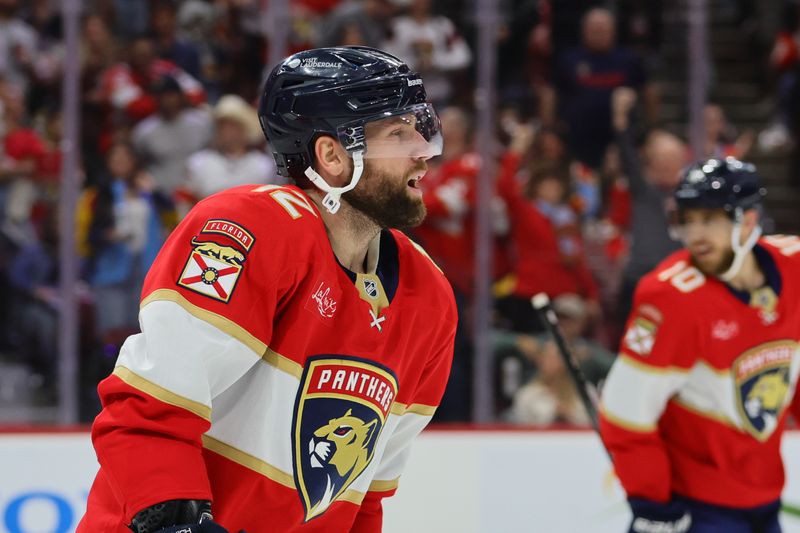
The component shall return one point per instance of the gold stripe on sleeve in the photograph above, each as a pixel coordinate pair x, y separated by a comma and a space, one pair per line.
383, 486
352, 496
625, 424
283, 363
412, 408
712, 415
651, 369
160, 393
218, 321
355, 497
227, 326
248, 461
275, 474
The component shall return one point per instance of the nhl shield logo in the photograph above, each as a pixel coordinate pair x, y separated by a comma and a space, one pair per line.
763, 384
342, 405
371, 288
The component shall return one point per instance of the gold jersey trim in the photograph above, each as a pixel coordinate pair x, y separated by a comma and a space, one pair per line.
652, 369
384, 486
281, 362
218, 321
413, 408
279, 476
248, 461
160, 393
711, 415
625, 424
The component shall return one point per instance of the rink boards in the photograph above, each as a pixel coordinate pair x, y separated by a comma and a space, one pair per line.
457, 481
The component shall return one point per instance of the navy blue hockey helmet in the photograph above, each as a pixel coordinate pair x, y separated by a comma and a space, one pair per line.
335, 91
727, 184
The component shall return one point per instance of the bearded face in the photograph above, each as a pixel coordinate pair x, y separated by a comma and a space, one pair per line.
388, 199
707, 236
715, 267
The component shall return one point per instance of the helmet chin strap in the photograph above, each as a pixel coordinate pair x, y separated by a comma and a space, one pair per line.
739, 250
332, 200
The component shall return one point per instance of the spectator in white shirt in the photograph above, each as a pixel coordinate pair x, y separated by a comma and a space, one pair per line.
431, 45
18, 43
164, 140
232, 158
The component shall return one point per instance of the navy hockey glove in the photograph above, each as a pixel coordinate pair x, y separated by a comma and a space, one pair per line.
206, 526
654, 517
176, 516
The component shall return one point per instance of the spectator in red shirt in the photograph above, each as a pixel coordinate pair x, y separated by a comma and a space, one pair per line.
127, 86
447, 232
539, 264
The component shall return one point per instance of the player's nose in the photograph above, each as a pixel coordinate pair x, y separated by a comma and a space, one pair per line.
423, 149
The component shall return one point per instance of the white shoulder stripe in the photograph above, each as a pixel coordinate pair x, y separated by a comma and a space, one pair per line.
635, 396
397, 451
711, 393
183, 354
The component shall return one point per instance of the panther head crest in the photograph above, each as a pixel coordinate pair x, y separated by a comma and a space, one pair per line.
349, 437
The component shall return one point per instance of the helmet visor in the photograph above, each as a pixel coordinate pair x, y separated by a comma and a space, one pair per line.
414, 131
703, 221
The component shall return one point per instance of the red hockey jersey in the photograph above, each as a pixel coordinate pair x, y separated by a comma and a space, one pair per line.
696, 403
267, 378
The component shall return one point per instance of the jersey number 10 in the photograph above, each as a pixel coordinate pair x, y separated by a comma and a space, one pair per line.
683, 276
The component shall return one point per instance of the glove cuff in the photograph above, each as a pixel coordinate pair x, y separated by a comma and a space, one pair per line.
657, 517
170, 513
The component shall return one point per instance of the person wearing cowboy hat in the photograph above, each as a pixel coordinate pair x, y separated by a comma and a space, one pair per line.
233, 157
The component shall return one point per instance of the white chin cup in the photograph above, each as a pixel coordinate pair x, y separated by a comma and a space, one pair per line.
740, 250
332, 200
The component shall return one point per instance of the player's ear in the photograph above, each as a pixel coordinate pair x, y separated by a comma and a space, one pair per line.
332, 161
749, 220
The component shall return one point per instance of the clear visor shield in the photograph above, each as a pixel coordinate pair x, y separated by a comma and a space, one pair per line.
702, 224
414, 131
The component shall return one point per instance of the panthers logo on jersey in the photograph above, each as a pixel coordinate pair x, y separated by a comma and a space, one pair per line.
342, 405
763, 384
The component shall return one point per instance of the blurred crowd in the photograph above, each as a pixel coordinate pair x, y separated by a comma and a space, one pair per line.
168, 88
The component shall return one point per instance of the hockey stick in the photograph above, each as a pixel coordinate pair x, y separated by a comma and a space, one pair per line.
588, 393
586, 390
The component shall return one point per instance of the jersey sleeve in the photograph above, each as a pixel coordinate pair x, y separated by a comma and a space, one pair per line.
215, 273
657, 352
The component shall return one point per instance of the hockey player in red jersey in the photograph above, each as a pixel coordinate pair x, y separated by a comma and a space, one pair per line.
293, 344
694, 407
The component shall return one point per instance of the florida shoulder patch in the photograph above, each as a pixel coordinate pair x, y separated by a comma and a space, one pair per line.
342, 405
641, 333
217, 259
